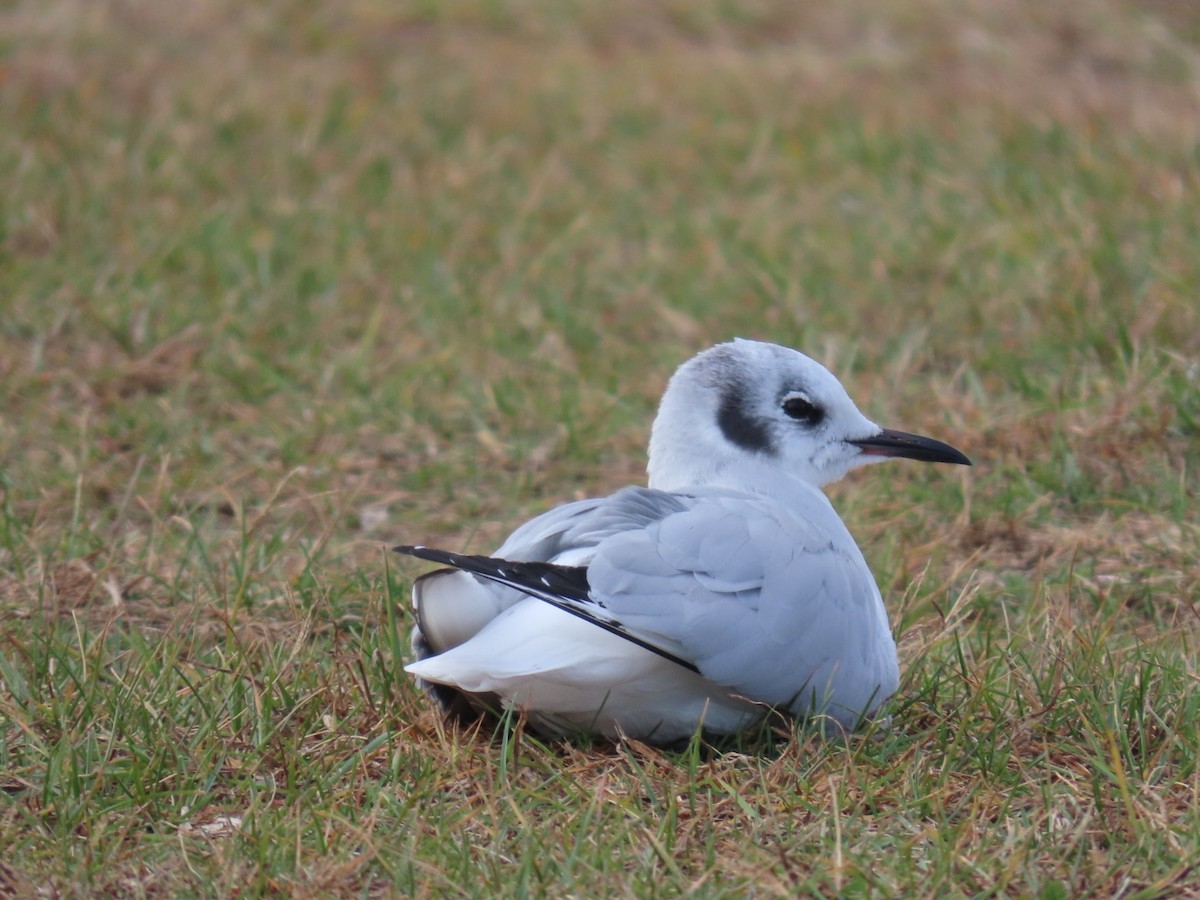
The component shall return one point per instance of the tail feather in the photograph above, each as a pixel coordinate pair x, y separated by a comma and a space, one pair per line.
452, 607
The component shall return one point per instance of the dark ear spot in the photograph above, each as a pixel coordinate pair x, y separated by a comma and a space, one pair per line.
741, 428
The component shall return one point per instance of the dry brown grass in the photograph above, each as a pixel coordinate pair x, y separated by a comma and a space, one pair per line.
283, 284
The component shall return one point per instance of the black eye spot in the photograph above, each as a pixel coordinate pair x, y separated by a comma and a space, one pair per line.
802, 409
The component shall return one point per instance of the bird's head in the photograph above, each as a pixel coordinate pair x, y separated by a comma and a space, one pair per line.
747, 402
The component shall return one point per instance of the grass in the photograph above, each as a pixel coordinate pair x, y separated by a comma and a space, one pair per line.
287, 283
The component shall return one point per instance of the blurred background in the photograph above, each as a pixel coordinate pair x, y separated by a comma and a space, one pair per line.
400, 267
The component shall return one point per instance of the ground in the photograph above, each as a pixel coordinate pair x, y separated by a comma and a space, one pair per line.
284, 284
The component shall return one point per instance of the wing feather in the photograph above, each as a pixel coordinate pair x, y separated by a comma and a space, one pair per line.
564, 587
570, 534
745, 589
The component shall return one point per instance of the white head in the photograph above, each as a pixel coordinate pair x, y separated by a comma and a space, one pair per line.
749, 402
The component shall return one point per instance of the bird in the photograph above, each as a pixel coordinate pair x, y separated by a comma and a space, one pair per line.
726, 588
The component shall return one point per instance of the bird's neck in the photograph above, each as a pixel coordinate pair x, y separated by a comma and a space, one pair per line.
683, 471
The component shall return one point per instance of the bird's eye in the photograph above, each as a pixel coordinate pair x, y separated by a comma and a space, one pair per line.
802, 409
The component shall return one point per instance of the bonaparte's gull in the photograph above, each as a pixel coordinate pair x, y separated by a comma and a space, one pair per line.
726, 588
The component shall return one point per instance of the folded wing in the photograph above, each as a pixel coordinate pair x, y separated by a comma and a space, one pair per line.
726, 585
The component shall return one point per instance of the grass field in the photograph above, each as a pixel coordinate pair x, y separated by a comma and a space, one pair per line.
283, 284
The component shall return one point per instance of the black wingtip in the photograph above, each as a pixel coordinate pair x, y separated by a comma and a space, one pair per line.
477, 564
423, 552
563, 587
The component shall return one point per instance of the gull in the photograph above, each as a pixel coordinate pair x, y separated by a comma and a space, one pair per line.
725, 589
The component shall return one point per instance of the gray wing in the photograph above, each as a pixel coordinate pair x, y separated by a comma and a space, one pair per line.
452, 606
569, 534
745, 590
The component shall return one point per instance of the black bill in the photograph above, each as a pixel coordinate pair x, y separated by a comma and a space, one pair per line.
910, 446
